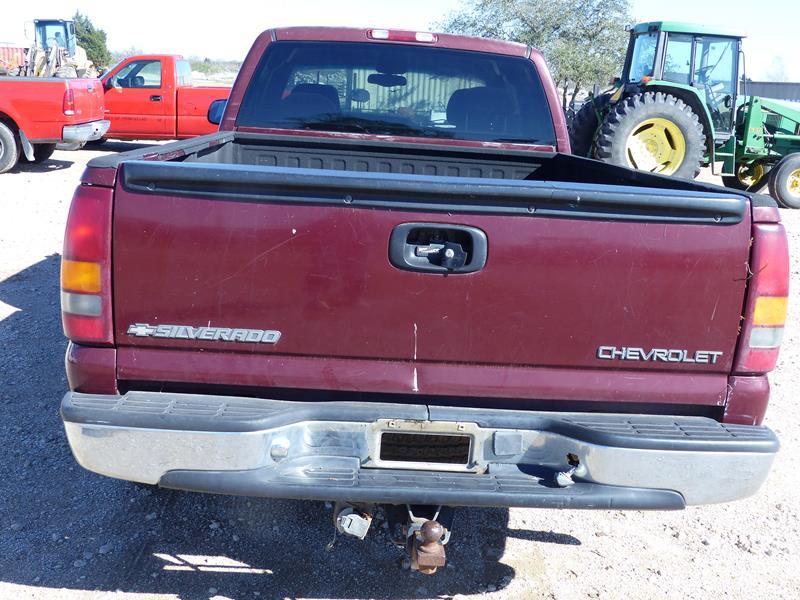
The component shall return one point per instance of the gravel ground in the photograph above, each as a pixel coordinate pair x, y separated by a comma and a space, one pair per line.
67, 533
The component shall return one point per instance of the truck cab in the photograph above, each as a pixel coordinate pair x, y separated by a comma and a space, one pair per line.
152, 97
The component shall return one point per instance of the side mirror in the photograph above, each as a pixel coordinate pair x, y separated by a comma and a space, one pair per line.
215, 111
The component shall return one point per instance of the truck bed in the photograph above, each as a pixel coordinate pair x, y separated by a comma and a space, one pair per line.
563, 173
36, 104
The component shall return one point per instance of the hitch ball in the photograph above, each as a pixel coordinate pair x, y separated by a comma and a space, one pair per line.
427, 553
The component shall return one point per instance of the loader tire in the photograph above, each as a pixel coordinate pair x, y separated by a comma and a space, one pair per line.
9, 148
653, 132
66, 72
749, 178
584, 125
784, 181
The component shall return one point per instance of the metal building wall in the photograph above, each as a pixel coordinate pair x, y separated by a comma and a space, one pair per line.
778, 90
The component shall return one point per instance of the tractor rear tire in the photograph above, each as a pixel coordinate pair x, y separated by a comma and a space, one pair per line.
584, 125
784, 181
41, 152
658, 127
9, 148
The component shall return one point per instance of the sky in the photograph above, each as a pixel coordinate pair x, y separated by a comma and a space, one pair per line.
225, 29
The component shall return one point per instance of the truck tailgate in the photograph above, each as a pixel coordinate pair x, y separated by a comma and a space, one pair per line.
89, 100
584, 286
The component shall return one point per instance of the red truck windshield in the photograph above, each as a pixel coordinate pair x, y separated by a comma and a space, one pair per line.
398, 89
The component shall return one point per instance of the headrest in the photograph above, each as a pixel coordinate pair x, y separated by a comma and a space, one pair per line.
328, 91
306, 106
480, 109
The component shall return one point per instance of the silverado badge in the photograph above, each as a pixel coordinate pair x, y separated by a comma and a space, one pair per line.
210, 334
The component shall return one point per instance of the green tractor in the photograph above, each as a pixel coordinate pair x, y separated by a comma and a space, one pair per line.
676, 108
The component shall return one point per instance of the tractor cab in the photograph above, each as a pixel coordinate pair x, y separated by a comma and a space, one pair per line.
697, 59
55, 51
55, 33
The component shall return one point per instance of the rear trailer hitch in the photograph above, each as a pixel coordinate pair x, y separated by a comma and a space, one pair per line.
423, 530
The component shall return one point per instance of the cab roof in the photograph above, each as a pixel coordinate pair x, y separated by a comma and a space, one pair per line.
441, 40
681, 27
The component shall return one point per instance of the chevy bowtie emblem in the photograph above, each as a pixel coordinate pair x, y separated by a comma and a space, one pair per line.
209, 334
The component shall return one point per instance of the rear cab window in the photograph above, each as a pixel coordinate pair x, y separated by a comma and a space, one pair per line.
183, 73
396, 89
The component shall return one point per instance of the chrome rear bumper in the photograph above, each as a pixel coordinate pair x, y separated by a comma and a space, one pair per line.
85, 132
330, 450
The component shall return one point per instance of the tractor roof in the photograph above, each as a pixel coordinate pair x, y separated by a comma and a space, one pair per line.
679, 27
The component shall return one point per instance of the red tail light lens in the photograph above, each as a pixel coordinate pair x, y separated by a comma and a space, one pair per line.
765, 311
68, 105
86, 268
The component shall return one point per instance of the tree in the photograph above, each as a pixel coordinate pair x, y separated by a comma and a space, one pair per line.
118, 55
583, 41
92, 40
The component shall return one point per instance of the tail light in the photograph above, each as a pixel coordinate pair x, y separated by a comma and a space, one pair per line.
765, 310
68, 105
86, 268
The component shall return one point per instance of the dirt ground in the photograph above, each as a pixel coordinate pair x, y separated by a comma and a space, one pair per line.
67, 533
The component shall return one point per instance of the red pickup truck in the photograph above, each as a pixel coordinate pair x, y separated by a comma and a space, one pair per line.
38, 113
386, 281
152, 97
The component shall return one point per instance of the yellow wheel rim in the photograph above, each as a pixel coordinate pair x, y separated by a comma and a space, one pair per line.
794, 183
750, 175
656, 145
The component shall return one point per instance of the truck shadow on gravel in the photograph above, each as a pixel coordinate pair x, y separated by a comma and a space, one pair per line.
118, 146
63, 527
51, 164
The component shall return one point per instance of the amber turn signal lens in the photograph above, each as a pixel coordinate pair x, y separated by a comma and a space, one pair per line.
80, 276
770, 311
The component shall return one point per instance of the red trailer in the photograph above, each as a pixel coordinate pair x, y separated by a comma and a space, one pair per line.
11, 58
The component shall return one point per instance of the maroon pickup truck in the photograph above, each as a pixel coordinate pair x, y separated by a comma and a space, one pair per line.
385, 281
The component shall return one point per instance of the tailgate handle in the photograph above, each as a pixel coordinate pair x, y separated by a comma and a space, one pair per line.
155, 98
437, 248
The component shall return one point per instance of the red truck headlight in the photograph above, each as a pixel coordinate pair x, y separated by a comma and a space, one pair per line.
765, 308
86, 268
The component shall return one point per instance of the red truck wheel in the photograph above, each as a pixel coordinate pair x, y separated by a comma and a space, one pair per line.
9, 148
41, 152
